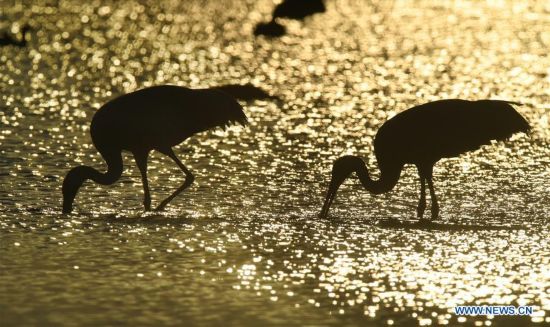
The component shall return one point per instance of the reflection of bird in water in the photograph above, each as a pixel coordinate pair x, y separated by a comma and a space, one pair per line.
293, 9
7, 39
155, 118
422, 136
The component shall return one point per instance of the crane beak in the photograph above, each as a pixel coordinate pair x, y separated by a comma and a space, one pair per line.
69, 193
331, 194
67, 206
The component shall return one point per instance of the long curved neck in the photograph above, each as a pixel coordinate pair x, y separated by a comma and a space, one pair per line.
389, 175
113, 173
78, 175
87, 172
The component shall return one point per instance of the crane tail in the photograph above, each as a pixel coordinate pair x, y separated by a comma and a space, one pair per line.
235, 116
508, 120
220, 109
245, 92
515, 103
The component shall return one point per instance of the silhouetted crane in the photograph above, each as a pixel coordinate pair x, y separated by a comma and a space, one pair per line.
293, 9
155, 118
7, 39
298, 9
423, 135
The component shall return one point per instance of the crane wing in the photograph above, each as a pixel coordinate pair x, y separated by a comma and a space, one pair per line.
447, 128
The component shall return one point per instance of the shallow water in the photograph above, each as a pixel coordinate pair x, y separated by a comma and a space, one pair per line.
244, 245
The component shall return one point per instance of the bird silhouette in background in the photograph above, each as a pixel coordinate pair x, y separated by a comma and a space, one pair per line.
155, 118
298, 9
293, 9
7, 39
423, 135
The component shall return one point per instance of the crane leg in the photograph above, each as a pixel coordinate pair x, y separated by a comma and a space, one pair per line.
422, 201
435, 205
189, 178
141, 162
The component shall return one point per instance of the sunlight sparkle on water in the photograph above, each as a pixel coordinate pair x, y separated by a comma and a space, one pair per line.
244, 244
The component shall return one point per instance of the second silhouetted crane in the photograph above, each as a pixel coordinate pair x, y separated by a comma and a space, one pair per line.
298, 9
155, 118
293, 9
423, 135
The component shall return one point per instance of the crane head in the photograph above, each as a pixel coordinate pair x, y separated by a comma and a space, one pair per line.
71, 184
343, 167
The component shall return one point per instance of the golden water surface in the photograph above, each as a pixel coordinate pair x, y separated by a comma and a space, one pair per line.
244, 246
